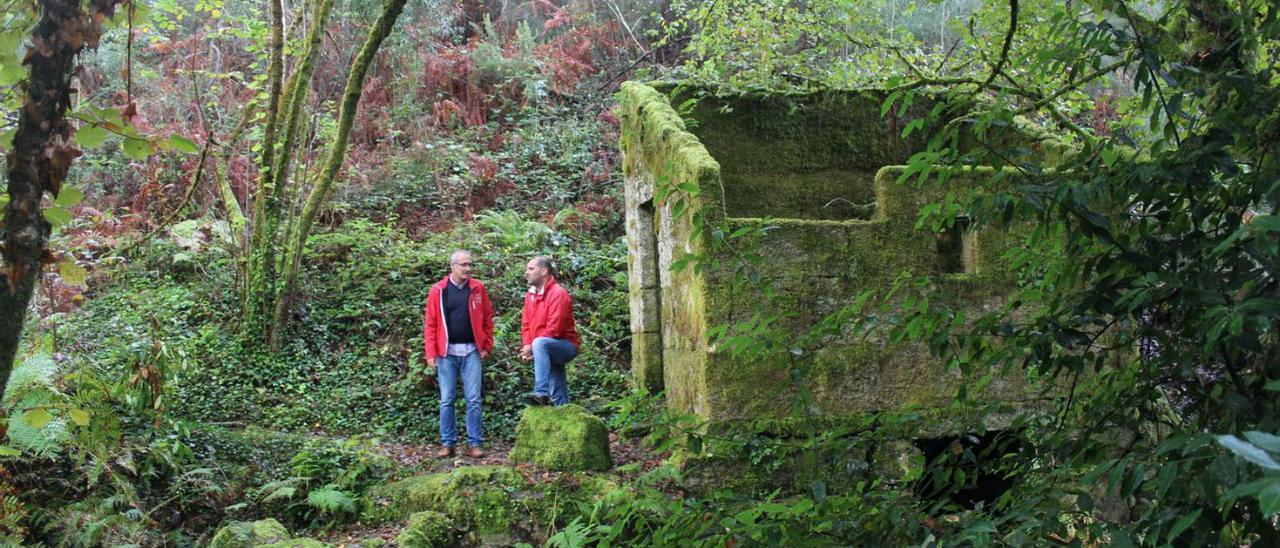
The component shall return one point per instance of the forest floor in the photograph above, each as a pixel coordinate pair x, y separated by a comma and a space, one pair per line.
420, 459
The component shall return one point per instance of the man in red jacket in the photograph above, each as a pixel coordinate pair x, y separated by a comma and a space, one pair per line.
548, 333
457, 336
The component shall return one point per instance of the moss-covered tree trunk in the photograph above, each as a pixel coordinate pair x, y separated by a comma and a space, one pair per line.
40, 157
262, 244
391, 10
290, 120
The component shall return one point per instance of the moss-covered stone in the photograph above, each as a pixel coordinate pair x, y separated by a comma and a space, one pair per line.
656, 146
304, 542
478, 498
821, 171
427, 530
565, 438
244, 534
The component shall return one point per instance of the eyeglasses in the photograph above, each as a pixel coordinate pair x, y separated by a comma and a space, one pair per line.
464, 264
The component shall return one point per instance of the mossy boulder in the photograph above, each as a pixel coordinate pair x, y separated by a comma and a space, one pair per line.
428, 530
245, 534
298, 543
565, 438
477, 498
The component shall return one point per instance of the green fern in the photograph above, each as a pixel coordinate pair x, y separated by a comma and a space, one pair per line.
330, 500
280, 490
35, 373
574, 535
511, 232
30, 391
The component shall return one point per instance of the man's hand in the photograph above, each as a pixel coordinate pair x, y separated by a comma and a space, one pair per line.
484, 355
431, 363
526, 352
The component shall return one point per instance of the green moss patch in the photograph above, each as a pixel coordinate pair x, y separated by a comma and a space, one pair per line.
479, 498
562, 438
298, 543
244, 534
428, 530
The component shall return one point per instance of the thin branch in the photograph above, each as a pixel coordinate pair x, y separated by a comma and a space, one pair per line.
1155, 78
186, 199
1008, 41
638, 60
897, 52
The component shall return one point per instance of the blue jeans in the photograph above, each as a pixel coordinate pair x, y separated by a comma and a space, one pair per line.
549, 377
447, 372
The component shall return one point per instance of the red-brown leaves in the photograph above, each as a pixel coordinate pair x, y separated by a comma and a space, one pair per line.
57, 157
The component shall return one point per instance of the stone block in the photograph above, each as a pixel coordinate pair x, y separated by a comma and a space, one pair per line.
245, 534
427, 529
567, 438
475, 497
646, 361
646, 317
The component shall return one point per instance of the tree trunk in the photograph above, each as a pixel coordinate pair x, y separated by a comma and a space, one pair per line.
290, 120
40, 157
391, 10
266, 207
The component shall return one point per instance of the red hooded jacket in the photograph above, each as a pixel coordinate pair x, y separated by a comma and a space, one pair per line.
548, 314
435, 335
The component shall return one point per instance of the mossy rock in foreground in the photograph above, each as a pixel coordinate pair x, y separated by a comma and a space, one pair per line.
298, 543
427, 530
478, 498
244, 534
565, 438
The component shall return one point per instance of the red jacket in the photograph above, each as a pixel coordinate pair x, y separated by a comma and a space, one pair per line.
435, 335
549, 314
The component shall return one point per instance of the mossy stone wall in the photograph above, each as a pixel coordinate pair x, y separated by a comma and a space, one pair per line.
657, 147
782, 162
810, 156
817, 268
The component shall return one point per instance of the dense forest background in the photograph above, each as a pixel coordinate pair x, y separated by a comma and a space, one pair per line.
247, 201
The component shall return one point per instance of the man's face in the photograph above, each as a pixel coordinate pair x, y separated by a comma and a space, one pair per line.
460, 267
534, 274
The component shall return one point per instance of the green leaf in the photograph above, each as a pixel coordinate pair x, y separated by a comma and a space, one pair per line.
183, 144
1270, 442
91, 136
72, 273
57, 216
137, 149
1265, 223
1182, 524
6, 451
1269, 499
68, 197
38, 417
1249, 452
79, 416
819, 489
12, 74
1109, 156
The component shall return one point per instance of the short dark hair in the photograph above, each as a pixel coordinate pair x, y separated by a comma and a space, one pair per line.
545, 262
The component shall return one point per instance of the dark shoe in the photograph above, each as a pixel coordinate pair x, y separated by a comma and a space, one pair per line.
444, 452
536, 399
475, 452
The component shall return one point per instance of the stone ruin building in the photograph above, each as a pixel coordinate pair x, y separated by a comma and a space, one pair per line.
822, 170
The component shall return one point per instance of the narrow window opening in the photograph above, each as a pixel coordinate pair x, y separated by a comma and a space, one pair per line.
957, 249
